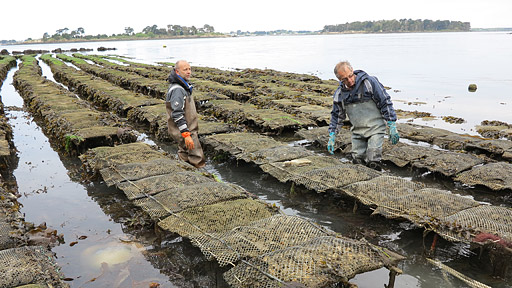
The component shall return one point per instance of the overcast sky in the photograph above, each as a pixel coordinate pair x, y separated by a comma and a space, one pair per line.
31, 19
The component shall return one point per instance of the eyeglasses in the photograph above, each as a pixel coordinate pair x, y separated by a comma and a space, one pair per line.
344, 80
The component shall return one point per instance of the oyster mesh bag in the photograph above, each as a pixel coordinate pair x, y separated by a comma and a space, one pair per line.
275, 154
497, 176
319, 262
288, 170
29, 265
334, 177
177, 199
257, 238
468, 223
10, 233
381, 189
236, 143
218, 217
156, 184
135, 171
102, 157
425, 204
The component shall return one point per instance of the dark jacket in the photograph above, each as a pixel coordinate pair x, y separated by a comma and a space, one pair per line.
366, 88
179, 96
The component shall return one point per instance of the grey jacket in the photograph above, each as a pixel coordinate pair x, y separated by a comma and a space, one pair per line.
179, 104
366, 88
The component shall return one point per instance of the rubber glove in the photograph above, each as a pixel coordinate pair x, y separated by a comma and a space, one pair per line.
330, 144
189, 143
393, 133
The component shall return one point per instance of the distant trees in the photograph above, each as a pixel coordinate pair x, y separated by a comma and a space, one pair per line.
4, 42
128, 30
208, 29
175, 30
148, 31
178, 30
402, 25
80, 32
62, 31
63, 34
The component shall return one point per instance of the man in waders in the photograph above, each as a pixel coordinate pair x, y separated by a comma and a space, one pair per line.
182, 115
369, 108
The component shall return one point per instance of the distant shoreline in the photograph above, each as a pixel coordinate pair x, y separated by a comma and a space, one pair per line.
39, 41
81, 40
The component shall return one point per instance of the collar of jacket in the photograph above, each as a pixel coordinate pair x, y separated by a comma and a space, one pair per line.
360, 77
174, 78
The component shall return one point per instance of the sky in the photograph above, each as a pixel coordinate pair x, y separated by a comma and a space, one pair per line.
112, 16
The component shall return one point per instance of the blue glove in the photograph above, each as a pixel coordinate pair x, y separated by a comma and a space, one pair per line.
393, 133
330, 144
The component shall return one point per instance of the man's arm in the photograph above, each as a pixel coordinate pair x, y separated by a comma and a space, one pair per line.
337, 118
177, 101
338, 114
383, 100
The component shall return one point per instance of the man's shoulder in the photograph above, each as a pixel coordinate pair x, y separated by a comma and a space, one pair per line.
174, 92
176, 87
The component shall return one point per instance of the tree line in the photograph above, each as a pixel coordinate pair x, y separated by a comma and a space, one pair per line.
149, 31
177, 30
402, 25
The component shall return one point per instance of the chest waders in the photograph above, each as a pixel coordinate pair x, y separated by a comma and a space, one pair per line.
194, 156
368, 129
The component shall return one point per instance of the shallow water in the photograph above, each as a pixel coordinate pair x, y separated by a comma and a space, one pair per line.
53, 192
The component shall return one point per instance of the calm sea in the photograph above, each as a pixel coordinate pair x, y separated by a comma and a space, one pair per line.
428, 72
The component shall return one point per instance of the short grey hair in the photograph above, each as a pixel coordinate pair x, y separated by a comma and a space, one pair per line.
177, 64
341, 65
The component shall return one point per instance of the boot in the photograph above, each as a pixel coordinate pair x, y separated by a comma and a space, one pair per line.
375, 165
358, 161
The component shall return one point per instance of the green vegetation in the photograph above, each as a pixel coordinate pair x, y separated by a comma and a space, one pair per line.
6, 59
69, 139
402, 25
71, 59
150, 32
28, 59
48, 57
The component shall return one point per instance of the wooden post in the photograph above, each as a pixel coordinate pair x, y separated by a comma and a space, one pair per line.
393, 271
433, 246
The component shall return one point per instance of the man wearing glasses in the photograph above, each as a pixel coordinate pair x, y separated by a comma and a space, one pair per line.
368, 106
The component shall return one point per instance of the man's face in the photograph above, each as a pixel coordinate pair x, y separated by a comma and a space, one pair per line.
184, 70
347, 76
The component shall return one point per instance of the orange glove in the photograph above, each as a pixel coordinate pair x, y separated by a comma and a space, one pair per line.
189, 143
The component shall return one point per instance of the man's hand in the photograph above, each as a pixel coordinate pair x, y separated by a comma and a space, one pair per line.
330, 144
393, 133
189, 143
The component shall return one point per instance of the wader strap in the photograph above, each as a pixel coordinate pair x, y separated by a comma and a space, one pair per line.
361, 90
174, 86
